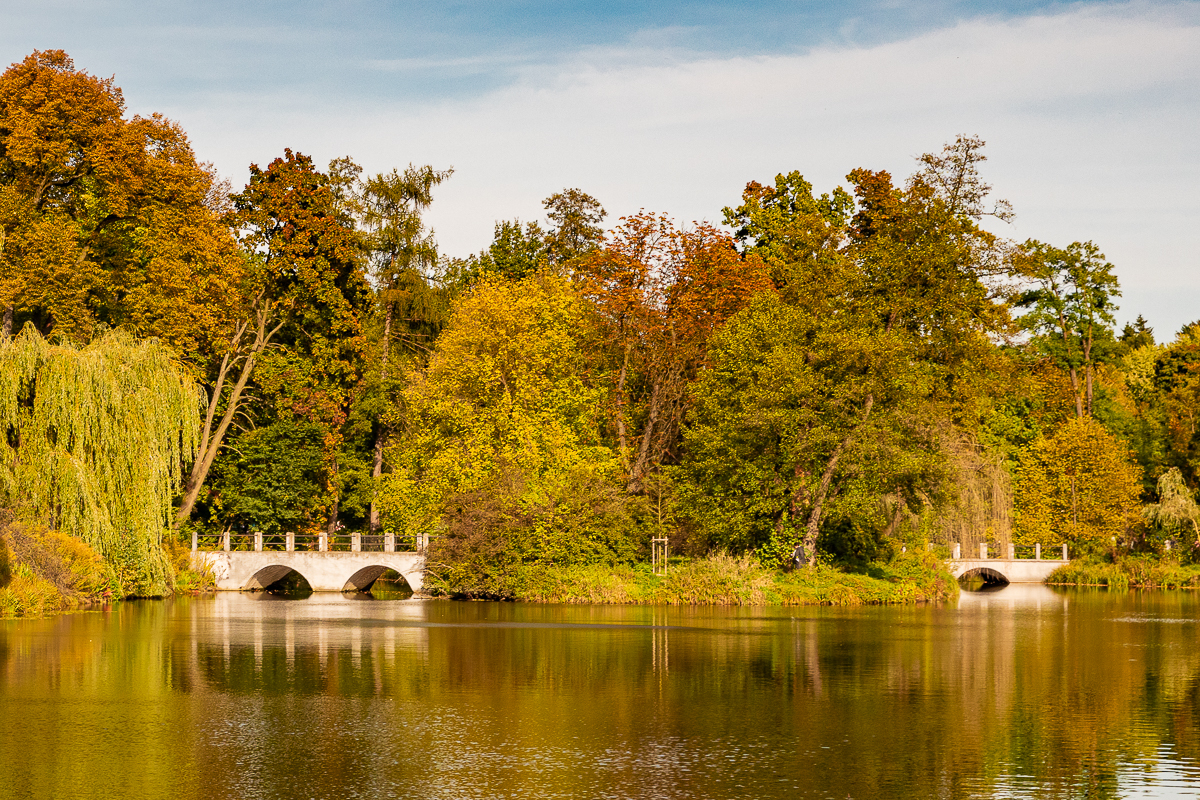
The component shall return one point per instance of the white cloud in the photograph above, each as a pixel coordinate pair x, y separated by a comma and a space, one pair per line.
1091, 118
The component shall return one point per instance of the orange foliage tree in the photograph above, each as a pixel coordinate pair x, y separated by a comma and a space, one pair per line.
659, 293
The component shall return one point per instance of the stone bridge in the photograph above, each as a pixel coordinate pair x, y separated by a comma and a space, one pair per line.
326, 571
1006, 570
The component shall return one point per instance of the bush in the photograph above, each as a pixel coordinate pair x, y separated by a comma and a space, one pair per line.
1133, 571
50, 571
722, 579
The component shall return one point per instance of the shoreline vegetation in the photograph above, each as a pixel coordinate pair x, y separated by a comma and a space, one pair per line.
722, 579
839, 379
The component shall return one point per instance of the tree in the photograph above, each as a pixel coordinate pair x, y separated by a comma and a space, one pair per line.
1176, 512
575, 231
502, 456
659, 293
298, 331
1071, 309
402, 253
92, 441
1076, 486
105, 220
792, 406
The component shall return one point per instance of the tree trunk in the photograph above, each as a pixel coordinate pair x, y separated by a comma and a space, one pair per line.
7, 325
1087, 367
210, 440
1078, 394
332, 527
622, 433
381, 434
814, 518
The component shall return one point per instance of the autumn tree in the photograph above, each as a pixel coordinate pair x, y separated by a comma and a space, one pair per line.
298, 332
659, 293
1076, 486
106, 220
501, 452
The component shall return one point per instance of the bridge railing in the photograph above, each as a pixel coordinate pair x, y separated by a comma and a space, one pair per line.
1013, 552
339, 542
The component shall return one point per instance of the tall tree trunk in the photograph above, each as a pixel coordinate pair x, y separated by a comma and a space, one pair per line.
818, 508
7, 324
381, 434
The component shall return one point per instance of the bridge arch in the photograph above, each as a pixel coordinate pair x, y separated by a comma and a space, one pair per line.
364, 579
272, 576
989, 576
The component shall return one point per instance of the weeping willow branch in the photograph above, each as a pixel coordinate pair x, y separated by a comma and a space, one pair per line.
92, 442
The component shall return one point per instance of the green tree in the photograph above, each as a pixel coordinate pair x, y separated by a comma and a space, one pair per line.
1176, 512
92, 441
1071, 309
403, 253
299, 331
793, 408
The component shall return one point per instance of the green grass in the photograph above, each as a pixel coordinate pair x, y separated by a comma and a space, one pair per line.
722, 579
1138, 572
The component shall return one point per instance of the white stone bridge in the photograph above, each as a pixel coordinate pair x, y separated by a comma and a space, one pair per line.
325, 570
1006, 570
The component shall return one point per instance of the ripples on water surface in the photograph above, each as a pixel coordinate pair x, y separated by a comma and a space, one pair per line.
1024, 692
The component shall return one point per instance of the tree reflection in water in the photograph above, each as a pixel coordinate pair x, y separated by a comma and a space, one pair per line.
1026, 692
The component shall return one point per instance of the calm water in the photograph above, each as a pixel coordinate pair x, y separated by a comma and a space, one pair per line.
1025, 692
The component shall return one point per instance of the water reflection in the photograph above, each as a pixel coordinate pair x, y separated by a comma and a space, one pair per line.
1023, 692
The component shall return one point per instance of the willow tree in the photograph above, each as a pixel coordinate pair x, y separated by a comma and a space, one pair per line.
92, 442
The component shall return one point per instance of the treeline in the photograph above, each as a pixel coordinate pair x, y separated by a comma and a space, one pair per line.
847, 375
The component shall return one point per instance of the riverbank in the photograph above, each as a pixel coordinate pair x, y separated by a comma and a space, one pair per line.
44, 572
726, 580
1128, 572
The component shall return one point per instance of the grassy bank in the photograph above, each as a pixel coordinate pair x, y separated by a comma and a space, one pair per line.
729, 580
1137, 572
47, 572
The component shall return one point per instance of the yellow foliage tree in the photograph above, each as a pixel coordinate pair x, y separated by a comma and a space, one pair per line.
1076, 487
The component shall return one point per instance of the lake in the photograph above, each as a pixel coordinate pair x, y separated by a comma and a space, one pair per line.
1022, 692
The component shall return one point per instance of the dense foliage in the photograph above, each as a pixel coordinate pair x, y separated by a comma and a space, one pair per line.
847, 376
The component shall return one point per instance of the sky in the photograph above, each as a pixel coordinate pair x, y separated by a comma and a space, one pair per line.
1091, 110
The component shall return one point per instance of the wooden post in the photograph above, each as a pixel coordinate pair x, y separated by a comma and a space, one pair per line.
389, 542
1037, 551
983, 550
291, 541
1012, 551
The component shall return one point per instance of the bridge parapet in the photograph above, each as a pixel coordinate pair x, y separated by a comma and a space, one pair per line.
328, 571
1012, 568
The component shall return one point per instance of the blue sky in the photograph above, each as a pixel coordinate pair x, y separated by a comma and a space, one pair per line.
1091, 110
